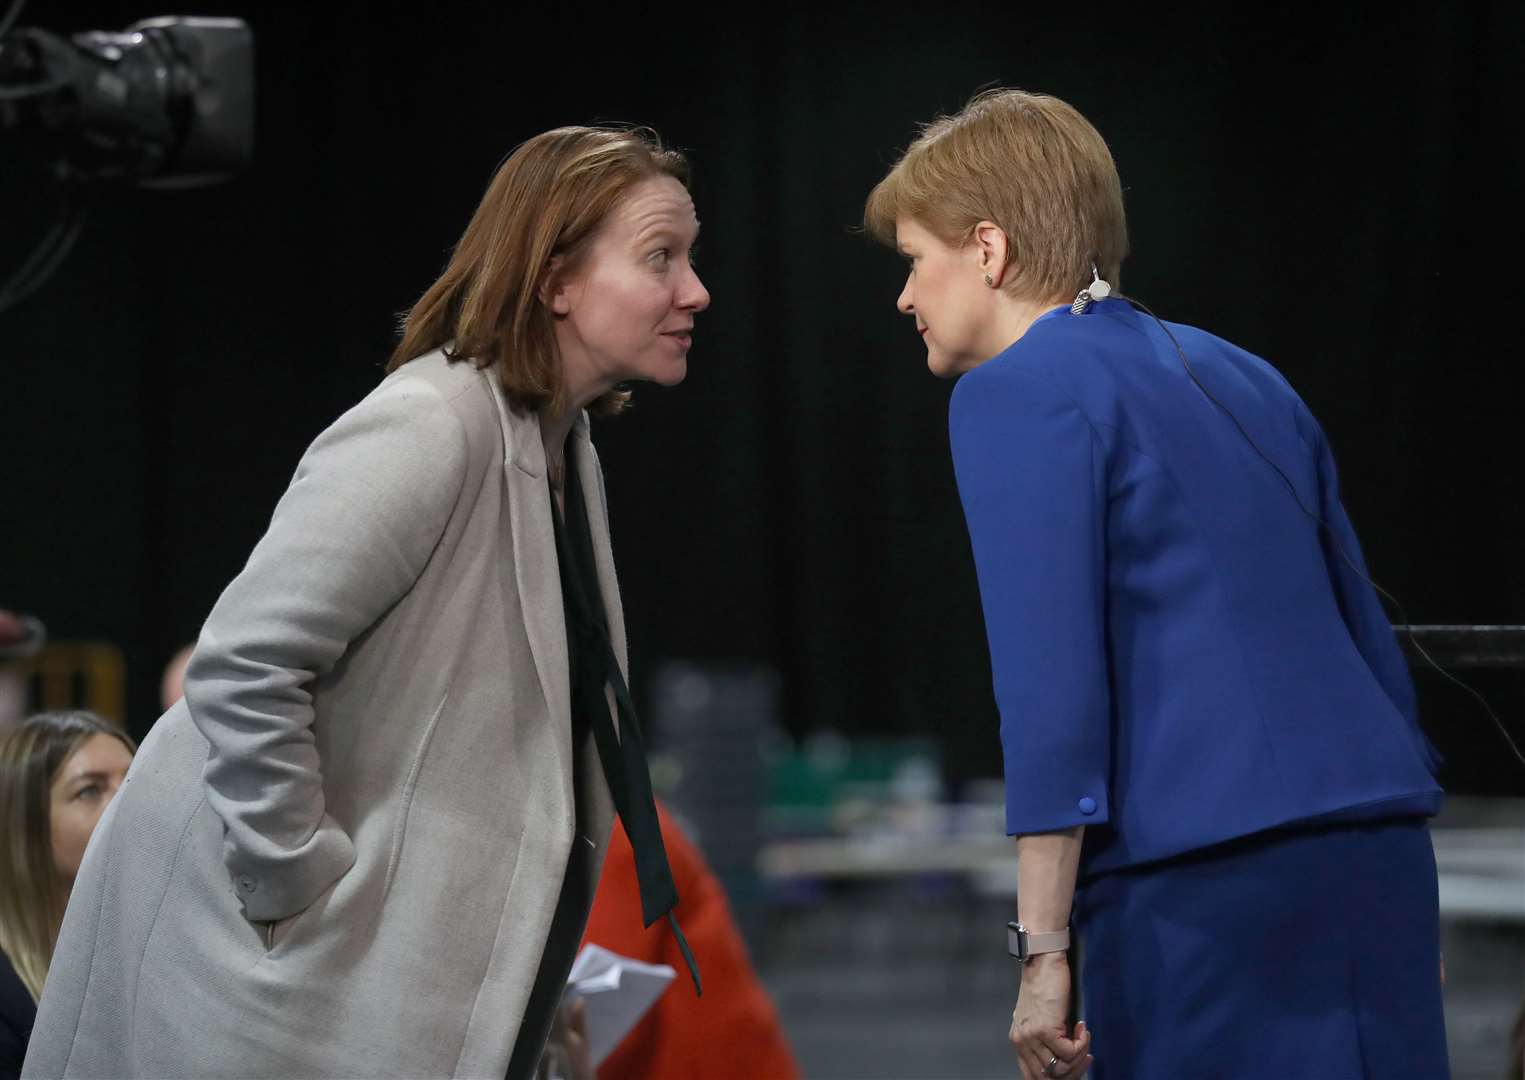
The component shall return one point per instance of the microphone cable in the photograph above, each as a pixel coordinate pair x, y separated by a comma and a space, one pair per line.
1322, 524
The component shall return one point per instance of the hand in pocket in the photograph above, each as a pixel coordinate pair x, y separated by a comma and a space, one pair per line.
275, 931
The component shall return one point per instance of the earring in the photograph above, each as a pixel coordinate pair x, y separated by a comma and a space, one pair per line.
990, 281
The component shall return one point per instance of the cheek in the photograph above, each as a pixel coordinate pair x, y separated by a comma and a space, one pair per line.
961, 317
651, 304
624, 312
939, 297
71, 831
942, 311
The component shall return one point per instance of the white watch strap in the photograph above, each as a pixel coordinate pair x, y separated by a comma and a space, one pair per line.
1022, 942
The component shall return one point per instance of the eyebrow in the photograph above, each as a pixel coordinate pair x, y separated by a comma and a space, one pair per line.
93, 774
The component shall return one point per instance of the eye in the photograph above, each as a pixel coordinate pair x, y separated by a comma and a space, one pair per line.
659, 257
89, 791
693, 255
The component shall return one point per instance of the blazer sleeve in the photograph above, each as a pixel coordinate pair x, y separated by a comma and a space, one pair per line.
1032, 479
364, 512
1364, 616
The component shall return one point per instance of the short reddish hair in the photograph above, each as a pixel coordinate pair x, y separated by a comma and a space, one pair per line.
1031, 164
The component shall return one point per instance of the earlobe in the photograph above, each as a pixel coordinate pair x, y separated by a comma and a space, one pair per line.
991, 239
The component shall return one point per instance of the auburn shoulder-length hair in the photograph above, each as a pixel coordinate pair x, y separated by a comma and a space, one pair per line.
1031, 164
32, 892
547, 199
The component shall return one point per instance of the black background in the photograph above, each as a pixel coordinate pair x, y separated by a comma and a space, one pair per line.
1337, 191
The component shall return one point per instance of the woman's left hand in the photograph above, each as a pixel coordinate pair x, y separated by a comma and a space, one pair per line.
566, 1055
1044, 1044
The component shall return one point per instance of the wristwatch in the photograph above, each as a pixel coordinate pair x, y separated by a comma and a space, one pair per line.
1022, 943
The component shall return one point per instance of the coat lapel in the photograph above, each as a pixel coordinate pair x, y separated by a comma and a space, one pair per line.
539, 578
534, 555
592, 478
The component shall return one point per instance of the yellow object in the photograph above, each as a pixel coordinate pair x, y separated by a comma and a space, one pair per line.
75, 675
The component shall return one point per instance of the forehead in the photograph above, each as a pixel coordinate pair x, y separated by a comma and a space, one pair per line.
98, 753
656, 203
910, 231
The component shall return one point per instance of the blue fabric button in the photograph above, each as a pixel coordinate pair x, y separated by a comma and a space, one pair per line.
1088, 805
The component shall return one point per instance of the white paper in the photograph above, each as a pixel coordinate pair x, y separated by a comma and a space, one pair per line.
617, 990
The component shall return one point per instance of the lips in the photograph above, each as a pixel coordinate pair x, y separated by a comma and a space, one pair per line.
684, 336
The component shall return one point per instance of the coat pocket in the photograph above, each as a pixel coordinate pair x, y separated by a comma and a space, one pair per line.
410, 785
275, 932
278, 933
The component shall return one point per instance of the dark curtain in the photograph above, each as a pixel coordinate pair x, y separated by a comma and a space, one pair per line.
1336, 192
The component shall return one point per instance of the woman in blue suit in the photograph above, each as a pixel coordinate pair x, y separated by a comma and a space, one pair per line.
1213, 761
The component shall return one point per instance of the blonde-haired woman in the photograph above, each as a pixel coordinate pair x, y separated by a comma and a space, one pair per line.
1207, 724
365, 842
58, 772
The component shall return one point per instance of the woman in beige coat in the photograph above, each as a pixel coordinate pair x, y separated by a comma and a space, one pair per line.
365, 842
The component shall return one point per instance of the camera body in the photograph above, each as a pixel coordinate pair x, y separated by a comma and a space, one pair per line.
168, 102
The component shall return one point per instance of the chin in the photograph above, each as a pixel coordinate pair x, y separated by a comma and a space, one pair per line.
674, 374
664, 371
941, 366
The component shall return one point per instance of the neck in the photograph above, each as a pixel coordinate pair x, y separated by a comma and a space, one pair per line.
553, 435
1014, 317
581, 386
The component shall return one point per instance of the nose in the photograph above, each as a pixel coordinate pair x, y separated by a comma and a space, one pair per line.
905, 303
693, 296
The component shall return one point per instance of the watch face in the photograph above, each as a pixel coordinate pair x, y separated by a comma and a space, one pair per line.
1016, 940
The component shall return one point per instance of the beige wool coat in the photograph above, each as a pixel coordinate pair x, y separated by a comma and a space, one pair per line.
340, 854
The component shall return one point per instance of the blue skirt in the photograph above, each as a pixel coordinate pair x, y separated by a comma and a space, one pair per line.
1300, 953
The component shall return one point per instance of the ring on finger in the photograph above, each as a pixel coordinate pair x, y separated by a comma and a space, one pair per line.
1048, 1070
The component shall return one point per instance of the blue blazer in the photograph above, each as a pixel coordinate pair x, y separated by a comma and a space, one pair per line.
1181, 656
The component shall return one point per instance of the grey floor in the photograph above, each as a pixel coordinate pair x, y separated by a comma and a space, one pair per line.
900, 980
873, 986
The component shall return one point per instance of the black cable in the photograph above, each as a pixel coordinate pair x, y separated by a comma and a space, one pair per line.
1407, 625
49, 253
11, 16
